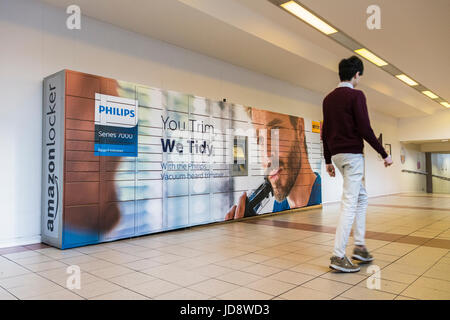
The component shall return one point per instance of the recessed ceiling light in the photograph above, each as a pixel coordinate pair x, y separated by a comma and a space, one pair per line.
446, 104
407, 79
297, 10
371, 57
430, 94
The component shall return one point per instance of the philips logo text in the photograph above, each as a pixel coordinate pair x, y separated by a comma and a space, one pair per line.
117, 111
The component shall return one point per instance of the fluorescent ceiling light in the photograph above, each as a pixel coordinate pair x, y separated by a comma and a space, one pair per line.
371, 57
407, 79
430, 94
297, 10
446, 104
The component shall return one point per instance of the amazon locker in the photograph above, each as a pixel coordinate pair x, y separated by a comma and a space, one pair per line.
122, 160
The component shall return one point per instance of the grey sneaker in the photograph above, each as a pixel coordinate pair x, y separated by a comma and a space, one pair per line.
343, 264
362, 254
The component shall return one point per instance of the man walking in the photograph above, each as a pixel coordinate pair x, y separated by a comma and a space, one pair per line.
346, 124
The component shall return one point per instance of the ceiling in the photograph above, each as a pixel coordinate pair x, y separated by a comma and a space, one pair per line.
257, 35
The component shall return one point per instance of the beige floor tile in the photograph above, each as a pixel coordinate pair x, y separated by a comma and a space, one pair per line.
280, 263
57, 295
238, 277
58, 254
139, 265
437, 284
111, 272
291, 277
167, 258
311, 269
261, 270
320, 238
243, 293
213, 287
397, 276
406, 268
192, 263
183, 277
212, 270
32, 260
60, 276
386, 286
438, 274
132, 279
342, 298
5, 295
95, 265
147, 253
423, 293
321, 261
273, 253
334, 288
385, 257
270, 286
214, 257
175, 275
92, 249
35, 289
96, 288
11, 269
315, 251
302, 293
299, 258
285, 247
79, 260
403, 298
182, 251
122, 294
21, 280
254, 257
439, 266
115, 257
22, 254
395, 249
183, 294
361, 293
154, 288
236, 264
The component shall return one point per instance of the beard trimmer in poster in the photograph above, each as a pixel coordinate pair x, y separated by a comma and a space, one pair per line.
253, 202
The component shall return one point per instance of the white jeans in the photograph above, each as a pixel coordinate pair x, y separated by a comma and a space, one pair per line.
354, 200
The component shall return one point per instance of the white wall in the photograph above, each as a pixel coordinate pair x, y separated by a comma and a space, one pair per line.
35, 43
433, 127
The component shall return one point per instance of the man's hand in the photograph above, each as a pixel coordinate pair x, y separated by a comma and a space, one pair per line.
330, 170
388, 161
237, 211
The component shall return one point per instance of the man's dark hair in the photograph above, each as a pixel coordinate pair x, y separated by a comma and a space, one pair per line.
349, 67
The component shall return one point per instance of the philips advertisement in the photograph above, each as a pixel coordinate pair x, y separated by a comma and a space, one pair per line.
139, 160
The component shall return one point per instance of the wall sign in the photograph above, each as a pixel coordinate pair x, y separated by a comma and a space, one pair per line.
116, 130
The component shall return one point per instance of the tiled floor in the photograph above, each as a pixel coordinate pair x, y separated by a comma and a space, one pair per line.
278, 257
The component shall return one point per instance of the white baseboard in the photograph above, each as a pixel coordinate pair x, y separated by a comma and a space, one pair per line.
20, 241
